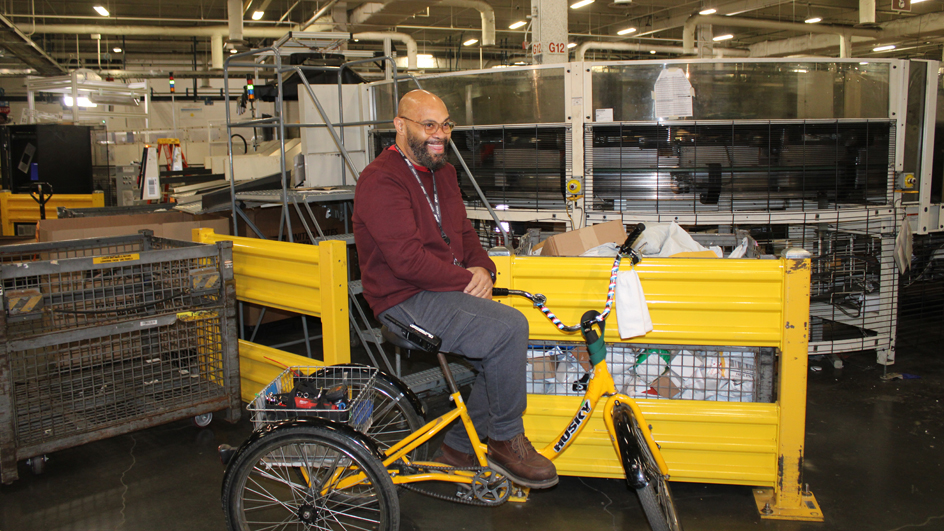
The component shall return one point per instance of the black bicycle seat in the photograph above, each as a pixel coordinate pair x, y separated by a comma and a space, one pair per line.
396, 339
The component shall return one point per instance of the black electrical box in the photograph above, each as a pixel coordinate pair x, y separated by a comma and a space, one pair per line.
60, 155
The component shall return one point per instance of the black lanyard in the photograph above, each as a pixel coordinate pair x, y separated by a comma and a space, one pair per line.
433, 204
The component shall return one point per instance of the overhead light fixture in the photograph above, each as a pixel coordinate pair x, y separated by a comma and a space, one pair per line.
470, 42
83, 101
571, 45
813, 20
626, 31
232, 50
864, 63
918, 1
116, 50
653, 52
101, 10
884, 48
580, 4
257, 15
709, 11
720, 38
517, 25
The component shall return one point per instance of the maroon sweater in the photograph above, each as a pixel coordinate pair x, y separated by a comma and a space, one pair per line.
399, 248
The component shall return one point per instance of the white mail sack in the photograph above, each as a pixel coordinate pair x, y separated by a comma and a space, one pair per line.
632, 313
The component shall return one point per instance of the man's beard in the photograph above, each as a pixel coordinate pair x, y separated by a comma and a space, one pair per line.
422, 155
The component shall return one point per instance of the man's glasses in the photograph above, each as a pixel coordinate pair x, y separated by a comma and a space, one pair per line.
431, 127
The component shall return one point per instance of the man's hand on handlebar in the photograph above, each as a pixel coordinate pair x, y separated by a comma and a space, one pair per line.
481, 284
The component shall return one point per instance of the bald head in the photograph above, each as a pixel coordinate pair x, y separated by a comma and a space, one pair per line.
418, 102
417, 110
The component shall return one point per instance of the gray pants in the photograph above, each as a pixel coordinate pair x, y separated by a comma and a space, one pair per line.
494, 338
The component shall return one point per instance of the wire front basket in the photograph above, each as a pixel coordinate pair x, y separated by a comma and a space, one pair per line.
338, 394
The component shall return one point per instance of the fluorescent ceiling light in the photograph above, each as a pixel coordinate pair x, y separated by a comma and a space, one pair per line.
864, 63
232, 50
800, 71
884, 48
626, 31
813, 20
470, 42
517, 25
101, 11
257, 15
917, 1
116, 50
580, 4
709, 11
571, 45
653, 52
83, 101
720, 38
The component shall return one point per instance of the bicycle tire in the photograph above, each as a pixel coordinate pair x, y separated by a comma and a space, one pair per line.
272, 480
656, 497
393, 418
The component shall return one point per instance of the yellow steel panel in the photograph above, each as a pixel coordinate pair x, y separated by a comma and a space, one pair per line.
22, 208
275, 274
691, 301
717, 442
259, 365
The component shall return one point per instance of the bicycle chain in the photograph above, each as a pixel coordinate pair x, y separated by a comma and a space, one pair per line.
455, 499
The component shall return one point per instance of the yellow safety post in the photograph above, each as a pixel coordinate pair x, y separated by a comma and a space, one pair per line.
22, 208
334, 302
789, 499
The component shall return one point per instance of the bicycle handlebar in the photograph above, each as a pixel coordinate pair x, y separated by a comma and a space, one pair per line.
540, 300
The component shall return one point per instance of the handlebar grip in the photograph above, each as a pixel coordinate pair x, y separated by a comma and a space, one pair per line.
631, 239
499, 292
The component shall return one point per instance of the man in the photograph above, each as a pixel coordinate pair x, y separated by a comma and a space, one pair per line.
421, 262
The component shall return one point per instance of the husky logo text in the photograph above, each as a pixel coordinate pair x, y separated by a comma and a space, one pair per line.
575, 424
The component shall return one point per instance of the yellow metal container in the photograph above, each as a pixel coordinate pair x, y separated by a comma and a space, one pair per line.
22, 208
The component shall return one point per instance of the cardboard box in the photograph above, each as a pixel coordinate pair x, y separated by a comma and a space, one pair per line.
543, 368
173, 225
576, 242
268, 221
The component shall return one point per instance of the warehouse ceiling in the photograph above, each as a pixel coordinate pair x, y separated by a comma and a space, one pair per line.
151, 38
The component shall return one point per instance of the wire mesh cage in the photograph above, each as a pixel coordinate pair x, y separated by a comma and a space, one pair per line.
81, 283
722, 374
119, 375
330, 393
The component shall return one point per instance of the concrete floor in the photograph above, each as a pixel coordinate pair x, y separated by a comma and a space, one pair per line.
874, 461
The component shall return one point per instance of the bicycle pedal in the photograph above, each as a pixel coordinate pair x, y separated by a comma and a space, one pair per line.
519, 494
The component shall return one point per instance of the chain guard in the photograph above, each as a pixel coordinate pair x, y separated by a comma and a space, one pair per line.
488, 488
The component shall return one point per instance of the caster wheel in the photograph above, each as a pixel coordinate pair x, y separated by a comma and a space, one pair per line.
37, 464
202, 421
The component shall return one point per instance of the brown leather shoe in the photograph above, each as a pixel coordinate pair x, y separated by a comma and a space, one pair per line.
519, 461
452, 457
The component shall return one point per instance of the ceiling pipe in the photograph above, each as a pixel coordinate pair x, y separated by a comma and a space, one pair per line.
318, 14
166, 31
234, 12
216, 52
400, 37
866, 11
637, 47
487, 13
688, 31
900, 29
